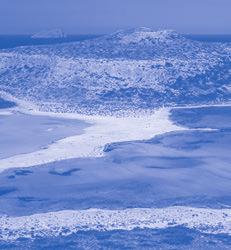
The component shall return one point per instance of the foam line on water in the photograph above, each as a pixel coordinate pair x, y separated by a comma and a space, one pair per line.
104, 130
63, 223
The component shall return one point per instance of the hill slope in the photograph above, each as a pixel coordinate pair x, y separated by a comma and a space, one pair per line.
129, 70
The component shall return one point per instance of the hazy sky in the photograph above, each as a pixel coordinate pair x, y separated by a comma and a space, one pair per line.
104, 16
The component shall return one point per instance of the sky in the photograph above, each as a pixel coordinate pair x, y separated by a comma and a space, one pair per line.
105, 16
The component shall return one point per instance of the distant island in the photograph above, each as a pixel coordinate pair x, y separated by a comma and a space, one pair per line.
54, 33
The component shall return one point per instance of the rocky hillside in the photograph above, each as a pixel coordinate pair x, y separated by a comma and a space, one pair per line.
130, 70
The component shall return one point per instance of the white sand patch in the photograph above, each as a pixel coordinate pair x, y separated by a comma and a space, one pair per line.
104, 130
5, 113
63, 223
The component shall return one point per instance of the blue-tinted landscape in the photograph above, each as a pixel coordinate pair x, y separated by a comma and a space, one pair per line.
115, 141
11, 41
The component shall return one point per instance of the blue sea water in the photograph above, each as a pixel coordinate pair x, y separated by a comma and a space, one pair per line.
226, 38
43, 129
12, 41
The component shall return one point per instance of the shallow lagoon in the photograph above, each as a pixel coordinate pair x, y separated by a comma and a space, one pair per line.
21, 133
178, 168
215, 117
188, 167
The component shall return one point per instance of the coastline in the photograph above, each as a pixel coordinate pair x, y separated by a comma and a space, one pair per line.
22, 133
103, 131
67, 222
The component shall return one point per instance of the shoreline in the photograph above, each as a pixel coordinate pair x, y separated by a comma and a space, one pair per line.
67, 222
22, 133
103, 131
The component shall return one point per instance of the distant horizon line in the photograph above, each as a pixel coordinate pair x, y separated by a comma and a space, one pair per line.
98, 34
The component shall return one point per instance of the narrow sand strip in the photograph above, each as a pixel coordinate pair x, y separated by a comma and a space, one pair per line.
5, 112
104, 130
66, 222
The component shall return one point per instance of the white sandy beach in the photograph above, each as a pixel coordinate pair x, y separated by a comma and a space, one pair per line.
103, 130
